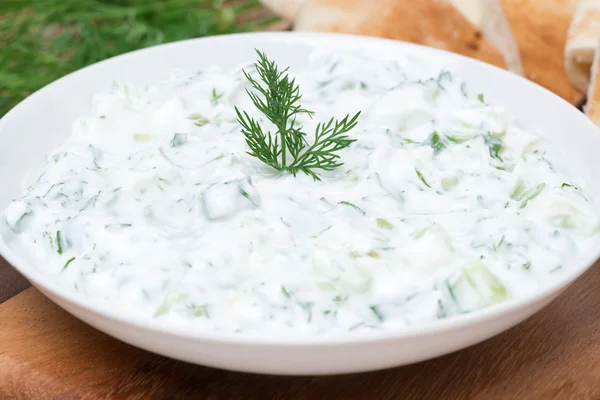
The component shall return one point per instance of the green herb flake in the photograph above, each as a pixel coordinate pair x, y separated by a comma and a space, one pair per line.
480, 98
497, 246
308, 308
494, 145
422, 178
115, 227
340, 299
355, 207
285, 292
373, 254
443, 76
68, 262
457, 140
568, 185
59, 242
377, 313
463, 89
199, 311
436, 143
215, 97
451, 290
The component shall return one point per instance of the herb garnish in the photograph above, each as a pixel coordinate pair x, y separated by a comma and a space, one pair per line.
494, 145
277, 97
69, 261
59, 249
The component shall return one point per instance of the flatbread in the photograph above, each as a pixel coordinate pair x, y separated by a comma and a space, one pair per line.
488, 16
435, 23
540, 28
582, 42
592, 108
287, 9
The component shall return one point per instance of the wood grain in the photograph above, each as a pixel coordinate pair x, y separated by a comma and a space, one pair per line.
46, 354
11, 282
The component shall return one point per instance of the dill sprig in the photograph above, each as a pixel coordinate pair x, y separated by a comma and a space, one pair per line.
277, 96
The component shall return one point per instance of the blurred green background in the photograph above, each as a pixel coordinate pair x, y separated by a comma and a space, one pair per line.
42, 40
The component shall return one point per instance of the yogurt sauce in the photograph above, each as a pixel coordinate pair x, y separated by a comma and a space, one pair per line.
444, 205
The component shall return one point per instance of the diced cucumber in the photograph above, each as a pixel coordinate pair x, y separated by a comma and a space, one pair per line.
168, 302
17, 215
477, 287
449, 182
530, 148
142, 137
524, 194
223, 200
179, 139
325, 286
518, 190
383, 223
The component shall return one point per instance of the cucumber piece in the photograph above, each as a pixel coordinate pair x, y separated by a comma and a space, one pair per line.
524, 194
476, 287
179, 139
142, 137
383, 223
168, 302
223, 200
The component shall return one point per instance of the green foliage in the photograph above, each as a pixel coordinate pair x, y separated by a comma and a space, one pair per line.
42, 40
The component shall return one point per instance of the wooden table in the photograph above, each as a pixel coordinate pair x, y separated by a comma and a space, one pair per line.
46, 354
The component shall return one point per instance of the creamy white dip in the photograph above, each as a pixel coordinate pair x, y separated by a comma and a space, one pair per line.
443, 205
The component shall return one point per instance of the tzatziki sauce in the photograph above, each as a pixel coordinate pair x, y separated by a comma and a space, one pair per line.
444, 205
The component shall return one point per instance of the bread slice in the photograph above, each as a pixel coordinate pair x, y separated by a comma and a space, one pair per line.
592, 108
582, 42
488, 16
436, 23
540, 28
287, 9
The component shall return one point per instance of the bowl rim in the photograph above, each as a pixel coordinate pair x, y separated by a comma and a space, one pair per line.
454, 323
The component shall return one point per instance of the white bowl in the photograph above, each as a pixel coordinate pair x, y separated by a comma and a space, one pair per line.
44, 120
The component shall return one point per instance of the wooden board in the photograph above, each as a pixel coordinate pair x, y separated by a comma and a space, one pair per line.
45, 354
